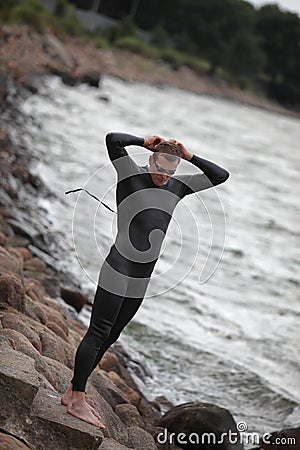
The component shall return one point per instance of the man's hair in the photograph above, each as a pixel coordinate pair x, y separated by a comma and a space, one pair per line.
172, 152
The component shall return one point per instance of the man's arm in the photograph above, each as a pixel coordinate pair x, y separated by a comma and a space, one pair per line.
212, 173
115, 143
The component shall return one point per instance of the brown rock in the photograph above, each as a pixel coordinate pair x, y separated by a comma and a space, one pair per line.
109, 362
12, 291
25, 254
34, 289
55, 316
3, 239
132, 395
17, 375
61, 373
15, 322
201, 418
52, 348
140, 439
8, 442
105, 386
57, 330
129, 415
35, 310
73, 298
114, 426
150, 414
10, 261
20, 343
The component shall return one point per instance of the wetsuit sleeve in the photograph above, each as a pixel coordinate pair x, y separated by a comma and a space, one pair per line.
212, 176
122, 162
115, 143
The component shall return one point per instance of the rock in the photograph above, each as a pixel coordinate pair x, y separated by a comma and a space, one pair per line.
15, 322
34, 289
67, 77
21, 344
63, 430
56, 48
92, 78
12, 291
132, 395
140, 439
150, 414
111, 444
25, 254
103, 98
52, 348
73, 298
57, 330
18, 376
104, 385
199, 418
35, 310
114, 426
3, 239
8, 442
10, 261
288, 439
129, 415
61, 374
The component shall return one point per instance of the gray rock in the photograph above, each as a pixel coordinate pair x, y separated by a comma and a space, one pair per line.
129, 415
63, 430
111, 444
140, 439
18, 376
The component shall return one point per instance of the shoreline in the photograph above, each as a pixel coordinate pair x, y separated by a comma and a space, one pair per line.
26, 54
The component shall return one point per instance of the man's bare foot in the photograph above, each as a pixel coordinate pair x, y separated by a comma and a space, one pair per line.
67, 398
78, 407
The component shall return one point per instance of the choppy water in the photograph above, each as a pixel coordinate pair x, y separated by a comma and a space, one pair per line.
233, 340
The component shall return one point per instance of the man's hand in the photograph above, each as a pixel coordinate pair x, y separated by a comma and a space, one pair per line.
185, 154
151, 142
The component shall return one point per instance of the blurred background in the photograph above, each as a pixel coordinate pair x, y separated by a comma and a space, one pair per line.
221, 76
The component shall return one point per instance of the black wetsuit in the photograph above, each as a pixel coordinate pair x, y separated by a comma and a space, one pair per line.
144, 213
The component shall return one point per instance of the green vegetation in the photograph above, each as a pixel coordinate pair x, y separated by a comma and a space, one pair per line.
64, 19
258, 49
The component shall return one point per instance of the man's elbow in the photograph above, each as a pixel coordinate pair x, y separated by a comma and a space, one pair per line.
109, 138
222, 177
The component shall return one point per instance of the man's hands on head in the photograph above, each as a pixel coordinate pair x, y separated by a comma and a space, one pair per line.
151, 142
185, 154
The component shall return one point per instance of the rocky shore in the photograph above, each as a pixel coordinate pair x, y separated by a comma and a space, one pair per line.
39, 301
25, 53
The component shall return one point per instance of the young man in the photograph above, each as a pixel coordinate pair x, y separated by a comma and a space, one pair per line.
146, 198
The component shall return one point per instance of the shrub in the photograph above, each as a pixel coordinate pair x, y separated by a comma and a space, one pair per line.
31, 12
137, 46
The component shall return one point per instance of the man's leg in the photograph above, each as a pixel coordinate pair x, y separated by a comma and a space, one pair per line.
127, 311
105, 310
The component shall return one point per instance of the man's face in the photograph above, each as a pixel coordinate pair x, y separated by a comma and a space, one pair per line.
158, 176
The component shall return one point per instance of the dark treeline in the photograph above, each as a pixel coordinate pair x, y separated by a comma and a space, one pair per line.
261, 46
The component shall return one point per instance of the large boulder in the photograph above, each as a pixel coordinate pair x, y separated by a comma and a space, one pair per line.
8, 442
288, 439
206, 424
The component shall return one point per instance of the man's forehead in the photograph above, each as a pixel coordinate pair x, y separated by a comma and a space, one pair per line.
160, 159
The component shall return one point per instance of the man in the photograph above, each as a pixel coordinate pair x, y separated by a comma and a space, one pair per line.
146, 198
